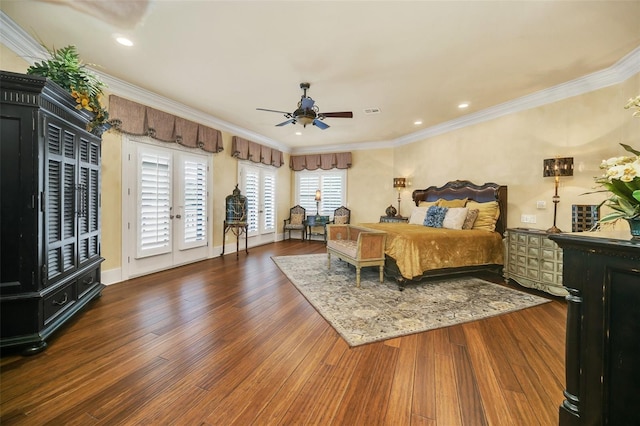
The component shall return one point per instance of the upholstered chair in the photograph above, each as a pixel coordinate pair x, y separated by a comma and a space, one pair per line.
341, 215
295, 222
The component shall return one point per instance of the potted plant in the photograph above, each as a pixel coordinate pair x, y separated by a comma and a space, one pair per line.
65, 68
622, 180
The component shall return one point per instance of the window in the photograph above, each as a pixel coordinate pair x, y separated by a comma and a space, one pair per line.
332, 185
258, 184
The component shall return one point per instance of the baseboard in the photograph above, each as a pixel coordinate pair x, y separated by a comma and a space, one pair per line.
111, 276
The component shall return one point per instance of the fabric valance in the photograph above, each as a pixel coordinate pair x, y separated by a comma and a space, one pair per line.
136, 119
244, 149
339, 160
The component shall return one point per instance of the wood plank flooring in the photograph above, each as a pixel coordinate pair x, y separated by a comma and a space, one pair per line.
231, 341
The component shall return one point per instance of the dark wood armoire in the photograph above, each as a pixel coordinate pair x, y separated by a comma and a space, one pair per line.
49, 211
602, 275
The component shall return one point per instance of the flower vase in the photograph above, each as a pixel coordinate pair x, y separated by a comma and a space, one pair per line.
634, 226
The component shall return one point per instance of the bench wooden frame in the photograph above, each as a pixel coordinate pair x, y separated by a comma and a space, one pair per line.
358, 246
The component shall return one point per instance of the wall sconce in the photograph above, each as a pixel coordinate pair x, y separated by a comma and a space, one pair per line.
399, 183
318, 199
557, 167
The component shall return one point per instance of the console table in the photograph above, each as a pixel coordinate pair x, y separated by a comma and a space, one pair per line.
602, 275
533, 260
317, 221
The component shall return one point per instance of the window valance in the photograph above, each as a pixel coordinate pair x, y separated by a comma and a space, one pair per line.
136, 119
244, 149
339, 160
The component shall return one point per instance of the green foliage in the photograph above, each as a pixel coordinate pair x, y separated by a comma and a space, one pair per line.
65, 68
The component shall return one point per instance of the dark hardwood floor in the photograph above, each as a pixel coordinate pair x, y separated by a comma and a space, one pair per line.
228, 341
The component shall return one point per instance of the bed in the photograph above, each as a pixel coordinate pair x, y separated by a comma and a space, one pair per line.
414, 252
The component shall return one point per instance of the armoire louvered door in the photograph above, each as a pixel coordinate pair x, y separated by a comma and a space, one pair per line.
72, 182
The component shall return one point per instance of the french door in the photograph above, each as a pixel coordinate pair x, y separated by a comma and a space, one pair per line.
259, 186
168, 208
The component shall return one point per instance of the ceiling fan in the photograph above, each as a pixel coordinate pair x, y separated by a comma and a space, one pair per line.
308, 112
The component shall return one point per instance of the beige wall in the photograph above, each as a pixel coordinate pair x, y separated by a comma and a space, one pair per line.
508, 150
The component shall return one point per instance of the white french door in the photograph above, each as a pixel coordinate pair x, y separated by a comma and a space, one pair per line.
167, 208
258, 184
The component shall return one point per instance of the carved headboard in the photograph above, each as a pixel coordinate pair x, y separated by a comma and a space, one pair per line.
466, 189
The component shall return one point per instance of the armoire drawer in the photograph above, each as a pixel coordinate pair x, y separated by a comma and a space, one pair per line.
59, 301
86, 282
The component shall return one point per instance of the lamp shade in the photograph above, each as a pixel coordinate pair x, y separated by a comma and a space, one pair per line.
558, 167
399, 182
318, 197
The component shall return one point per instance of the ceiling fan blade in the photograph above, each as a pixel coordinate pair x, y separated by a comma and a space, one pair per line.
272, 110
320, 124
307, 103
293, 120
345, 114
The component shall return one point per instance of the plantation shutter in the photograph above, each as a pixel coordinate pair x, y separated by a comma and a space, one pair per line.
332, 186
251, 191
154, 195
332, 189
194, 187
269, 201
308, 184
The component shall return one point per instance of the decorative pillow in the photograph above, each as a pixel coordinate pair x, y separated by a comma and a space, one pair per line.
417, 215
428, 204
340, 220
454, 218
459, 202
487, 216
472, 215
296, 219
435, 216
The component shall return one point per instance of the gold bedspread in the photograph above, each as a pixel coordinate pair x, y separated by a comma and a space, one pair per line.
418, 248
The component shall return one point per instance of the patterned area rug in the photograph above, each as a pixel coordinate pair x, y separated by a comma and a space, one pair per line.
379, 311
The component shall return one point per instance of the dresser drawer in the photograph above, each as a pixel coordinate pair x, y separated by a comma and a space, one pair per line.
86, 283
59, 301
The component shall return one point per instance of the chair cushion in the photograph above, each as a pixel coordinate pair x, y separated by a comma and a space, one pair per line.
346, 247
296, 219
340, 220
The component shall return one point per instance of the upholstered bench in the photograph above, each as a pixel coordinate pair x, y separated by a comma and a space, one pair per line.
356, 245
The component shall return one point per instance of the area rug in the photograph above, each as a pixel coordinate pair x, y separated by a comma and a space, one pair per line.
379, 311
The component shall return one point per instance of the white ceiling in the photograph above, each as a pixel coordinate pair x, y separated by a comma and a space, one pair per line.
414, 60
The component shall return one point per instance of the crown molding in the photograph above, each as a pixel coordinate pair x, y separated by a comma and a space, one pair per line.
617, 73
15, 38
21, 43
356, 146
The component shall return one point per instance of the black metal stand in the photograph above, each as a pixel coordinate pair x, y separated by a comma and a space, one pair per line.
237, 229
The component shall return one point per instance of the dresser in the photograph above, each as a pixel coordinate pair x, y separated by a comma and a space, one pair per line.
533, 260
394, 219
602, 358
50, 204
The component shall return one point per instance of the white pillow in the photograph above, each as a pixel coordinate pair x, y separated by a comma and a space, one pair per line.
418, 214
454, 219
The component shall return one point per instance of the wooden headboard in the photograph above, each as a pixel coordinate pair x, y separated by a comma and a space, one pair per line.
465, 189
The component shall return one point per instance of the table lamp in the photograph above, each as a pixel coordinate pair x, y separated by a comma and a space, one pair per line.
399, 183
557, 167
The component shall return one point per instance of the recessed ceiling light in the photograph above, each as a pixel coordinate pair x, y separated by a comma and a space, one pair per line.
463, 105
417, 122
123, 40
298, 133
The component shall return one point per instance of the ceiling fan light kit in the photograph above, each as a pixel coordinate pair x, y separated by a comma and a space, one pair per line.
308, 112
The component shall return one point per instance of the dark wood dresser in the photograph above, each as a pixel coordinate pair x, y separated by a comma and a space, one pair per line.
602, 276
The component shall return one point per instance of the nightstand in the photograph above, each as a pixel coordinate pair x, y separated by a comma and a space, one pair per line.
533, 260
394, 219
